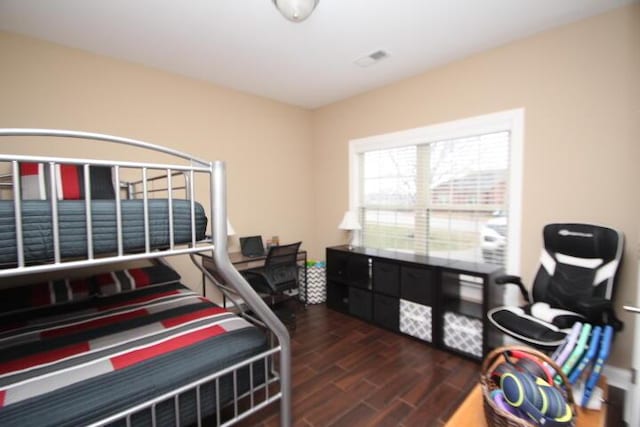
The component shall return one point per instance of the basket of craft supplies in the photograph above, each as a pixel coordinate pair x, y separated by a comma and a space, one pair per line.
522, 387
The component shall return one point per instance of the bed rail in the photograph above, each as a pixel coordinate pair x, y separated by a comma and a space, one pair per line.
144, 189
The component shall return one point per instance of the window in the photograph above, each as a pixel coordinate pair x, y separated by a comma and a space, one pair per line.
450, 190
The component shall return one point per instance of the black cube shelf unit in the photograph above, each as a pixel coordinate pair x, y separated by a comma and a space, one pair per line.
433, 299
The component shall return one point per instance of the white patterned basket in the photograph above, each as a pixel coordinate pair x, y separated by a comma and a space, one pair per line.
463, 333
316, 285
415, 320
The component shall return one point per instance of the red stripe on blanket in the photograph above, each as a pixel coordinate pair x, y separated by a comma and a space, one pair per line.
44, 357
70, 182
179, 320
28, 169
139, 300
80, 286
103, 279
140, 277
40, 295
137, 356
3, 393
94, 323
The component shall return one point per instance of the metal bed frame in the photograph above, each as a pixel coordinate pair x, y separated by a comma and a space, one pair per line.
277, 360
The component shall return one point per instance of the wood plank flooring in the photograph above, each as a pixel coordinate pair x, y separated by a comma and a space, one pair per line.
349, 373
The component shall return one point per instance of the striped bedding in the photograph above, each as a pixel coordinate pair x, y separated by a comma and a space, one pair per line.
56, 293
100, 356
37, 227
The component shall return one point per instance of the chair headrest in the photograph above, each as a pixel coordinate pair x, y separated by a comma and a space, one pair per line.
583, 241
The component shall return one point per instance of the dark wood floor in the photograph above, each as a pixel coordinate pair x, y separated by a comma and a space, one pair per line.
349, 373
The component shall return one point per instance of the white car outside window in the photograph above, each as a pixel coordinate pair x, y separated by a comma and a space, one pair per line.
494, 240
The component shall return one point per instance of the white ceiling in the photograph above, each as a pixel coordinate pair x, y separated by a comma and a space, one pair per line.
247, 45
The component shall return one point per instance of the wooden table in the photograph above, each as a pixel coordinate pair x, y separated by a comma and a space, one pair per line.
471, 412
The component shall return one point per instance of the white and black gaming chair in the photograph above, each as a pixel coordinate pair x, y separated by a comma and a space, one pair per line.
575, 282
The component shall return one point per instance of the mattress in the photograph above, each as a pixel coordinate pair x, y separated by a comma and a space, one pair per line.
37, 227
76, 364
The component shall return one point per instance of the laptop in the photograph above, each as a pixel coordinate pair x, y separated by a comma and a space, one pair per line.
252, 246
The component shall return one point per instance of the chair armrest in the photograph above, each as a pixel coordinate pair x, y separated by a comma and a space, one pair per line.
598, 310
516, 280
506, 278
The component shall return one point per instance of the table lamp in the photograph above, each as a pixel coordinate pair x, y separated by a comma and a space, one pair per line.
230, 230
350, 223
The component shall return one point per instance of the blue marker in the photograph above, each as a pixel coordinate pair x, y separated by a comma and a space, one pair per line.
588, 356
603, 355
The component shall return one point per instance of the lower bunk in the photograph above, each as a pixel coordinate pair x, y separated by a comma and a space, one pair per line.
127, 348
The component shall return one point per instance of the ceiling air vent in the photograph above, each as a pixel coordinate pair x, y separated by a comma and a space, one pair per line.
372, 58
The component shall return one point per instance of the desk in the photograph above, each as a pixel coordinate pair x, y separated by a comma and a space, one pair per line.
471, 412
242, 263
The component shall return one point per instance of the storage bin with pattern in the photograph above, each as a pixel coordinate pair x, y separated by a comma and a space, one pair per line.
463, 333
415, 320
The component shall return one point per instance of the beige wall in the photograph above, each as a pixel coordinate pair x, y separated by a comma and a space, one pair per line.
579, 85
266, 144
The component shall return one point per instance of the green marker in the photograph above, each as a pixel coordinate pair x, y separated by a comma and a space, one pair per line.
577, 352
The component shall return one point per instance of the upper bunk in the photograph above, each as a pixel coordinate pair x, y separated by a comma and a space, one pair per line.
102, 211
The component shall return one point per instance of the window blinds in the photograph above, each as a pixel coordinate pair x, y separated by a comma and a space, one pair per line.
444, 198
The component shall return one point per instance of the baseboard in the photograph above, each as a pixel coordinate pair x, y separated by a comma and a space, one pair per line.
617, 377
621, 378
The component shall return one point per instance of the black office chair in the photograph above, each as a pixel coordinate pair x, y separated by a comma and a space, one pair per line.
279, 273
575, 282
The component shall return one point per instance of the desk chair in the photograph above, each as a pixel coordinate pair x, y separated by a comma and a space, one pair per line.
279, 273
575, 282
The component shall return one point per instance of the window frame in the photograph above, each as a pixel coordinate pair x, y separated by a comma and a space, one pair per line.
509, 120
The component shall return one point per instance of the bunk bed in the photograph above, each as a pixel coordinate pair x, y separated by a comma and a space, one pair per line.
133, 346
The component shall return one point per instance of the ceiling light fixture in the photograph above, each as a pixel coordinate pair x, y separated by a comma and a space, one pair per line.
296, 10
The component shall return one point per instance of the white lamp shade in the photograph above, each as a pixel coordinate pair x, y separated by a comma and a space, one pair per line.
296, 10
230, 230
350, 221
